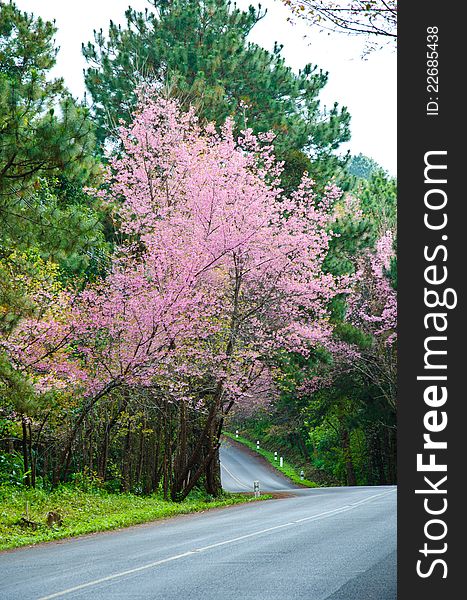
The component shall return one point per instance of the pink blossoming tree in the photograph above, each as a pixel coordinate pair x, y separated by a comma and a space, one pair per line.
216, 271
373, 309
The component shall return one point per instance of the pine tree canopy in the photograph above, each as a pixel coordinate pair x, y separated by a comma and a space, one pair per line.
46, 138
198, 51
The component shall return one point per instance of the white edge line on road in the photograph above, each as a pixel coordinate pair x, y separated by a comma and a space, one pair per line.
225, 542
344, 508
236, 478
76, 588
371, 497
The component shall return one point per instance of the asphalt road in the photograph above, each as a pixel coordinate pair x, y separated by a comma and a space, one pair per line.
328, 543
240, 467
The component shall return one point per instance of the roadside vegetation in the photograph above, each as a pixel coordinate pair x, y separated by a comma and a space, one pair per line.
30, 516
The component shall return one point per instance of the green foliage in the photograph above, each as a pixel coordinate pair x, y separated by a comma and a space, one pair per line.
350, 431
350, 421
15, 390
11, 468
296, 163
45, 152
325, 444
55, 220
49, 228
378, 200
198, 52
352, 335
352, 237
362, 166
23, 275
87, 511
375, 199
43, 130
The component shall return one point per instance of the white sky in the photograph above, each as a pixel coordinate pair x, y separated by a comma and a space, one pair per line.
366, 87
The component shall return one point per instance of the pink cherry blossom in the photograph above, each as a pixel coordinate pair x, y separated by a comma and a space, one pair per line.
216, 269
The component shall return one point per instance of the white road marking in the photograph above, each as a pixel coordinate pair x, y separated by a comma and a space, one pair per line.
244, 537
371, 497
76, 588
156, 563
343, 508
236, 478
324, 514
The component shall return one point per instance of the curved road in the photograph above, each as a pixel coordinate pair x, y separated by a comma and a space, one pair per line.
314, 544
240, 467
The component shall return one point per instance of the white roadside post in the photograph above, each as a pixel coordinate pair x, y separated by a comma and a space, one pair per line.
302, 475
256, 489
257, 444
236, 433
275, 455
281, 462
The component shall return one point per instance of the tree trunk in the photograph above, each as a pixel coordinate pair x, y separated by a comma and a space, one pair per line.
157, 469
126, 461
197, 461
165, 459
139, 466
27, 475
375, 456
90, 444
349, 467
393, 456
32, 456
213, 475
65, 458
104, 453
213, 483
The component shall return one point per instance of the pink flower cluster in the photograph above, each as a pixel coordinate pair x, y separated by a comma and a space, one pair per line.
217, 271
373, 305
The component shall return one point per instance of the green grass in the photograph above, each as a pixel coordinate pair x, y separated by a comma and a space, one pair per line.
287, 469
88, 512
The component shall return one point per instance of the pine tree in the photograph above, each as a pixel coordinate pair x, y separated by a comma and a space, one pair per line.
46, 145
198, 51
42, 129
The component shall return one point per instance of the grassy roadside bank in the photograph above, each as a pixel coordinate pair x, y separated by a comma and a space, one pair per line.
287, 469
87, 512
